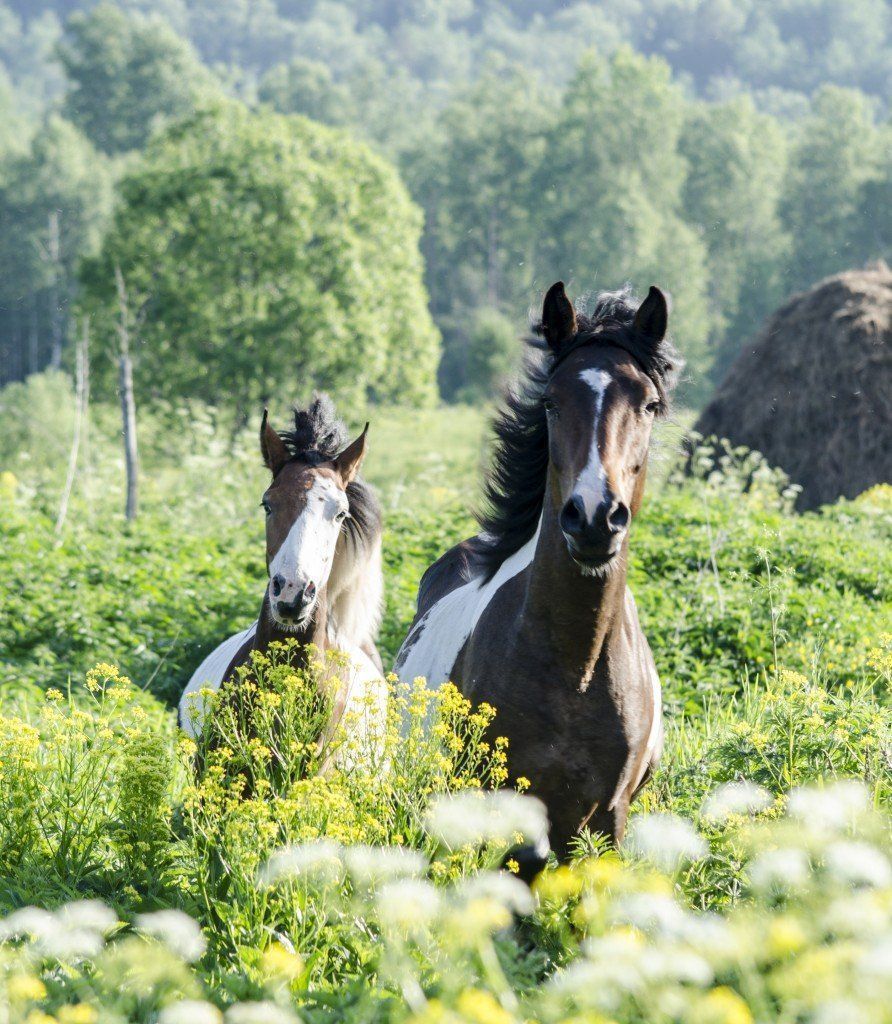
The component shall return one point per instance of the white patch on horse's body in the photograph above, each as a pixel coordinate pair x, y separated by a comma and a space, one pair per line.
355, 593
306, 553
654, 743
209, 675
363, 699
590, 485
433, 646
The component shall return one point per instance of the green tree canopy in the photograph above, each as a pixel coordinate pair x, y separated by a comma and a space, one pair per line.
737, 161
127, 72
838, 152
264, 255
611, 186
55, 200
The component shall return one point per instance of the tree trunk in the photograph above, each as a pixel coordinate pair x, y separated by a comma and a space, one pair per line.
81, 393
57, 316
128, 417
128, 404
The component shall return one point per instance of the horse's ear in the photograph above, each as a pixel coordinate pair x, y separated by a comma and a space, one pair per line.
272, 447
350, 459
558, 317
652, 317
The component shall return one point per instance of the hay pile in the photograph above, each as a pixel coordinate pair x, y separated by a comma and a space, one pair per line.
813, 392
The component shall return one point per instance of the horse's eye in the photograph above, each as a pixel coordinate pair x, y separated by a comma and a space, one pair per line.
652, 407
265, 505
550, 405
341, 516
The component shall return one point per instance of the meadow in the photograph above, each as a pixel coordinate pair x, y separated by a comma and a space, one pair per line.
756, 884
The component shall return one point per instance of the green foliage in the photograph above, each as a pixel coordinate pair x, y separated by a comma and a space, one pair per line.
737, 161
613, 212
55, 200
127, 72
835, 156
258, 248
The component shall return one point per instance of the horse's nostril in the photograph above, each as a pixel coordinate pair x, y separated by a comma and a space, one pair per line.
618, 517
573, 516
278, 582
309, 592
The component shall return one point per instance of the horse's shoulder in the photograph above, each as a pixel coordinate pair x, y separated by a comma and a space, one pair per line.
458, 566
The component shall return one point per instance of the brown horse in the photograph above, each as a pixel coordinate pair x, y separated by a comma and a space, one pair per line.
323, 554
533, 614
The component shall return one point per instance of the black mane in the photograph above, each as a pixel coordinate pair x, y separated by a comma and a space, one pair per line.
319, 436
514, 488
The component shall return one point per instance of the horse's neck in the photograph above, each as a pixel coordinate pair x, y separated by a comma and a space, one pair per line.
580, 615
315, 632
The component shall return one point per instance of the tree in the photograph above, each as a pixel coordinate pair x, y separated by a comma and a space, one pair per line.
737, 162
306, 87
837, 153
611, 189
54, 202
264, 255
127, 72
474, 173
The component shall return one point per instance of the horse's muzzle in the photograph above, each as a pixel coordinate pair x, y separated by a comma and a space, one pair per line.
292, 603
595, 542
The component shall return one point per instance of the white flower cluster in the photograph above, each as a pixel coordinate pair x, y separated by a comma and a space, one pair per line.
475, 817
179, 932
77, 931
666, 840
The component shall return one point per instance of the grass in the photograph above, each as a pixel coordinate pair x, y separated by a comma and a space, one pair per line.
767, 628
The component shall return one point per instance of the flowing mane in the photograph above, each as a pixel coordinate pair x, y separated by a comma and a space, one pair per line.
318, 436
514, 488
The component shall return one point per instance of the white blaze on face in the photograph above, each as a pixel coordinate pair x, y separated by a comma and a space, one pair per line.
592, 483
307, 552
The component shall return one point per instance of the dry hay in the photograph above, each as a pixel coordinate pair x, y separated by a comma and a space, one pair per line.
813, 392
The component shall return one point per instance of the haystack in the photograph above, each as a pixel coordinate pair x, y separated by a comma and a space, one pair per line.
813, 392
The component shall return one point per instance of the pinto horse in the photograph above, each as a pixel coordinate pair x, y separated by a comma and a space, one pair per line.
323, 554
533, 615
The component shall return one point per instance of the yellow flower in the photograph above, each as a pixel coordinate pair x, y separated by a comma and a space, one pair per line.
559, 885
785, 936
278, 962
80, 1013
24, 987
722, 1006
480, 1007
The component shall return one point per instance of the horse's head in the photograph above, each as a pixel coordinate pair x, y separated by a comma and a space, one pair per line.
306, 507
609, 379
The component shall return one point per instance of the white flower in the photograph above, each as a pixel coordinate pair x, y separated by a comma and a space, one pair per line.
780, 870
671, 963
735, 798
505, 889
876, 961
179, 932
839, 1011
93, 915
666, 840
190, 1011
828, 809
474, 817
259, 1013
72, 943
860, 914
32, 921
654, 913
599, 985
855, 863
318, 860
374, 864
409, 903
